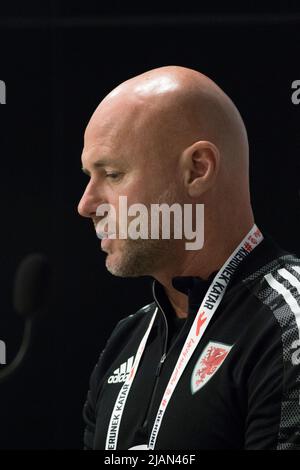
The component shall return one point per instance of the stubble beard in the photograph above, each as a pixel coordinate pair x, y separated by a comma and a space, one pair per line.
138, 257
143, 257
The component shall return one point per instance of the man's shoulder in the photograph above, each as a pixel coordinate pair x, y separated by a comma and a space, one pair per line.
137, 320
283, 267
141, 315
128, 330
277, 285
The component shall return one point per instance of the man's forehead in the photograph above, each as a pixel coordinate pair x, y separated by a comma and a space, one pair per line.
99, 156
93, 163
106, 139
110, 123
136, 125
99, 129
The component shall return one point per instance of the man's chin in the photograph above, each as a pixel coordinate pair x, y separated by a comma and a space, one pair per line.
115, 266
121, 266
112, 266
134, 258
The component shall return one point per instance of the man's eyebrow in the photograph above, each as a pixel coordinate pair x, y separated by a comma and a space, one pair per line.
99, 164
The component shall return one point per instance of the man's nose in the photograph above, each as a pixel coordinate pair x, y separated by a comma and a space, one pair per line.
89, 202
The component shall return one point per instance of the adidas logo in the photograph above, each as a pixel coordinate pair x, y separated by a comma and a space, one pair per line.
286, 282
122, 372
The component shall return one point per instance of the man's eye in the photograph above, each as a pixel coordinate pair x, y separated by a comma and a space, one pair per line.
112, 175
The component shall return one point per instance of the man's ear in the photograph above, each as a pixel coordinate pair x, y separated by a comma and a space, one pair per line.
201, 162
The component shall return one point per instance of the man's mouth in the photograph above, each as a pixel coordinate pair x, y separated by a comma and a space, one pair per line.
104, 232
106, 241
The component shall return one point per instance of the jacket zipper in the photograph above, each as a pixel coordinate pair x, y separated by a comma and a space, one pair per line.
160, 364
165, 353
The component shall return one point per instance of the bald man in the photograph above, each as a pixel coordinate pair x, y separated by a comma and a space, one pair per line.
214, 361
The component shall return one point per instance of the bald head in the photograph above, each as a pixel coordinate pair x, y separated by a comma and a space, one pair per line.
177, 106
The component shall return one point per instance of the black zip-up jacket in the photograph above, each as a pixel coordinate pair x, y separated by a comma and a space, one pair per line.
241, 387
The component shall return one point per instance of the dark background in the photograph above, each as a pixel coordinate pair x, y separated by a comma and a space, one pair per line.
58, 60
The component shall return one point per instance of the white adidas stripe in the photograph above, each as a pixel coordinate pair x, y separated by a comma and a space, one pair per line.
296, 268
290, 277
129, 364
287, 295
125, 367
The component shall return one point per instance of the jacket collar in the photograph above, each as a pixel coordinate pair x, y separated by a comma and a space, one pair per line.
195, 287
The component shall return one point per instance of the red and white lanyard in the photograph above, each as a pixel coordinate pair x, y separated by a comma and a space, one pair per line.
205, 313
